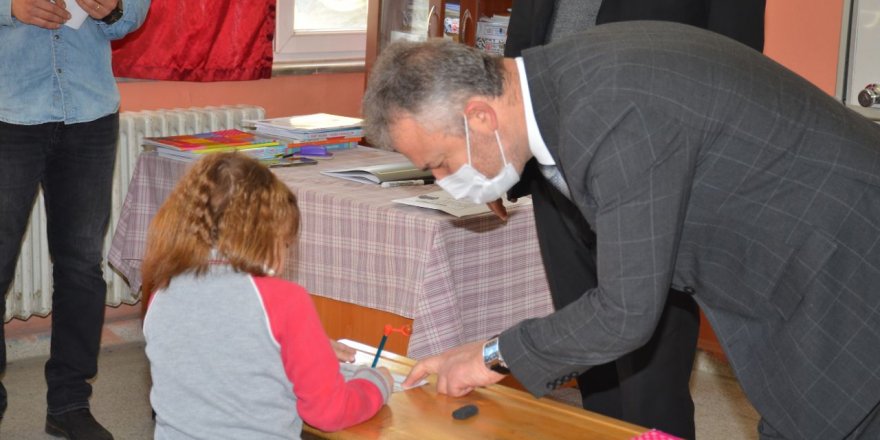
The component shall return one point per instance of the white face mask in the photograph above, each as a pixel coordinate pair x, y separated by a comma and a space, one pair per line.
468, 183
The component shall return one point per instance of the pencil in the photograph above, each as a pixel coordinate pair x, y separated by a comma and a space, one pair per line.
379, 351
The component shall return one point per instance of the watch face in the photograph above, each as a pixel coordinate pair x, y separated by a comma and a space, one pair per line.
492, 357
490, 351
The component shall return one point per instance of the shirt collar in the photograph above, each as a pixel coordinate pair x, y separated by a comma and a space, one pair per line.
536, 142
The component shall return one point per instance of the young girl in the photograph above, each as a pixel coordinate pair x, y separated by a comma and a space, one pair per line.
234, 352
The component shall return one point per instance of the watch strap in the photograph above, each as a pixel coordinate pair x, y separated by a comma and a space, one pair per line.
114, 15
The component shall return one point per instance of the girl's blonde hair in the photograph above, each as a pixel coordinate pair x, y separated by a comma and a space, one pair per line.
227, 202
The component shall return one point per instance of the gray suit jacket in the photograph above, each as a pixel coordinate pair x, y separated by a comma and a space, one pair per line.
705, 166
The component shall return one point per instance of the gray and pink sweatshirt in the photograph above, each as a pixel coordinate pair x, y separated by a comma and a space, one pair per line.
233, 356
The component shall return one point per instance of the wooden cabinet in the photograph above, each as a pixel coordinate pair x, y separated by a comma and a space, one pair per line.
472, 10
390, 20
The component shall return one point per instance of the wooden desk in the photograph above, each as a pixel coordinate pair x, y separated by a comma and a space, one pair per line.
344, 320
505, 413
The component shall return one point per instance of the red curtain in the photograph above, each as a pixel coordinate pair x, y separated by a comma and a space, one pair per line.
200, 40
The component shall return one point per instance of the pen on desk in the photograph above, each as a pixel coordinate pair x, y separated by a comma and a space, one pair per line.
395, 183
285, 155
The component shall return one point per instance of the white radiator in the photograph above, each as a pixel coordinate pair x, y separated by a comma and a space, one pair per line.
31, 290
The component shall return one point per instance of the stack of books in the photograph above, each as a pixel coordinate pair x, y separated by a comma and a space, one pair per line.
191, 147
330, 132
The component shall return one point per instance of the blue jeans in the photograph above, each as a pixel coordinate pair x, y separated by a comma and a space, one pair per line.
74, 166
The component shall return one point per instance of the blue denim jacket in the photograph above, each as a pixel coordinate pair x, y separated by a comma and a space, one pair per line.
60, 75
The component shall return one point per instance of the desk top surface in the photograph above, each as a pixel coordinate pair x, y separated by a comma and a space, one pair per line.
504, 413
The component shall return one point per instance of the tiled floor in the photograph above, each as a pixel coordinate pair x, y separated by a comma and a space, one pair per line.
121, 390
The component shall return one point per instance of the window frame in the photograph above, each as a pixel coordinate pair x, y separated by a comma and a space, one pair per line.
290, 46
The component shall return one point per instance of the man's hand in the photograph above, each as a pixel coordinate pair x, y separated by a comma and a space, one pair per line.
498, 208
98, 9
459, 370
41, 13
343, 352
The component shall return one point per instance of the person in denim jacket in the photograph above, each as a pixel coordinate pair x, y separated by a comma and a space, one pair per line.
58, 130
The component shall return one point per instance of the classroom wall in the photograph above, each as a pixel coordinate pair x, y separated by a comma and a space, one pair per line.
338, 93
804, 35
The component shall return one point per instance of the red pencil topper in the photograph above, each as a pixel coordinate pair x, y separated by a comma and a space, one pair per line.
404, 330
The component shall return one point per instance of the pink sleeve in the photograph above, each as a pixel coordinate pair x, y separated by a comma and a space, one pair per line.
324, 399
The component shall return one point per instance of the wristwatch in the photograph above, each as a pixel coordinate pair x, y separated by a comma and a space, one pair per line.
114, 15
492, 357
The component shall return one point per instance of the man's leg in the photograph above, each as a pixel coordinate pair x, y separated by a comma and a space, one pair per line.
654, 379
77, 188
22, 149
600, 390
742, 20
869, 427
692, 12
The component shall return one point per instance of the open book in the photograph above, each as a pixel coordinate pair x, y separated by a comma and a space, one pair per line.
391, 172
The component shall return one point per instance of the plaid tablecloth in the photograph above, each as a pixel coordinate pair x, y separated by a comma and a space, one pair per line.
458, 279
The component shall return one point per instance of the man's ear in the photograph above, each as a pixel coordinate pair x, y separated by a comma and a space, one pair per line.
481, 116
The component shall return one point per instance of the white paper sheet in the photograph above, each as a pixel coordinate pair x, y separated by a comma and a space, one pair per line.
77, 14
348, 370
398, 383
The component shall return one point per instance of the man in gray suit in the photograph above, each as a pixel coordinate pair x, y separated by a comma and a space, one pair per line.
649, 386
702, 166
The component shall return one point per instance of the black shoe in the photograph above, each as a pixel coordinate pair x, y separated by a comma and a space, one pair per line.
76, 425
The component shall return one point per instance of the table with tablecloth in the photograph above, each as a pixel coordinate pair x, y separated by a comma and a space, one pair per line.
458, 279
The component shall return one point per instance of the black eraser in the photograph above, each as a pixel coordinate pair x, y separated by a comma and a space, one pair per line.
465, 412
